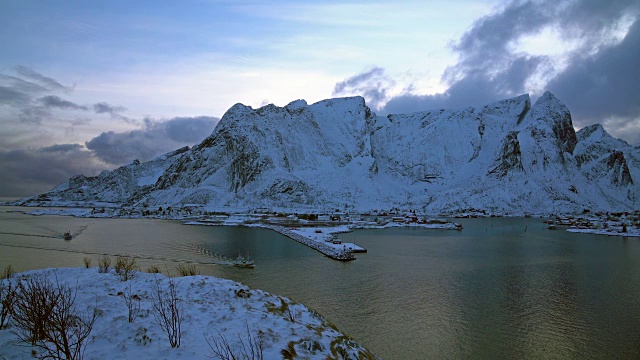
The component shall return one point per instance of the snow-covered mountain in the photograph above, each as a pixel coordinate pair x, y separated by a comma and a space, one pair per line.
506, 157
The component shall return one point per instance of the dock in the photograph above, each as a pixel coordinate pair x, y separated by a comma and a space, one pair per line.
329, 251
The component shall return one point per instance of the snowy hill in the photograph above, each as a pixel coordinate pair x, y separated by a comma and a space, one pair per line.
506, 157
211, 309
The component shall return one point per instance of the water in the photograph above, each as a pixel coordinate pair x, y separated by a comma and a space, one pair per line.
501, 288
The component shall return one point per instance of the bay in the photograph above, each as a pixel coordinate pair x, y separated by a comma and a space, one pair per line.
501, 288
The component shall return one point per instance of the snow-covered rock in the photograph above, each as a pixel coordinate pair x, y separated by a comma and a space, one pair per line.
211, 308
506, 157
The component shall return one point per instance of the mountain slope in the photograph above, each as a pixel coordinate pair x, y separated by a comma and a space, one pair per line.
506, 157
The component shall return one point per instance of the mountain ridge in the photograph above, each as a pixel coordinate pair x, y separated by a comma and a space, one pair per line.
508, 157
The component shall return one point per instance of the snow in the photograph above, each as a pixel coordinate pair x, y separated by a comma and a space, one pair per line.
211, 307
608, 232
149, 180
62, 212
337, 154
326, 236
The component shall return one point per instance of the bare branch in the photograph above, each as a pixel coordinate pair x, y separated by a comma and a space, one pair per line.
133, 303
251, 346
168, 312
45, 316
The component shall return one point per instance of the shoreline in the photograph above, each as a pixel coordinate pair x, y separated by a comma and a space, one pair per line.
602, 224
327, 244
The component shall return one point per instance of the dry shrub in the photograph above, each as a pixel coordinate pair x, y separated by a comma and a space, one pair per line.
104, 263
251, 347
7, 298
45, 316
133, 303
186, 269
167, 312
7, 273
125, 267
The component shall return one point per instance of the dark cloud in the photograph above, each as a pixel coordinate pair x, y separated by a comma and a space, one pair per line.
64, 148
34, 115
52, 101
27, 172
19, 85
105, 108
24, 96
592, 19
189, 130
113, 111
9, 96
598, 84
372, 84
47, 82
31, 98
604, 85
156, 138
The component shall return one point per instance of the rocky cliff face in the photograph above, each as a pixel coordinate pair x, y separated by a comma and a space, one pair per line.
509, 157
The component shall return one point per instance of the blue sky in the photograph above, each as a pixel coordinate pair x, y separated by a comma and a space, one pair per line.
105, 82
200, 57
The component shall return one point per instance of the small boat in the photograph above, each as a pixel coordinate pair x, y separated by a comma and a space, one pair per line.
243, 262
67, 236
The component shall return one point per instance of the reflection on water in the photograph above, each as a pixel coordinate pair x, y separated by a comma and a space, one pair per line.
501, 288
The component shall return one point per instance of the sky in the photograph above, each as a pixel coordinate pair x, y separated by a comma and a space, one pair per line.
92, 85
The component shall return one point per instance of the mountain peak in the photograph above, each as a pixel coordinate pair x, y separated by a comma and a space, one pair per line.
238, 109
350, 101
549, 112
591, 130
297, 104
547, 96
335, 154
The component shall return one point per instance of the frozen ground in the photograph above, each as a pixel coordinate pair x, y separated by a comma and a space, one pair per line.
212, 308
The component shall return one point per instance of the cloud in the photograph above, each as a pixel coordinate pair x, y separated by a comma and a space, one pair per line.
52, 101
29, 98
36, 170
32, 98
34, 115
604, 86
595, 77
113, 111
188, 130
30, 171
156, 138
25, 95
9, 96
22, 86
372, 84
103, 107
47, 82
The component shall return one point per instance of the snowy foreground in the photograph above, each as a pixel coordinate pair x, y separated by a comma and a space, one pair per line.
213, 308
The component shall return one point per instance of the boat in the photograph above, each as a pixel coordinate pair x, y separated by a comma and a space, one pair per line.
67, 236
243, 262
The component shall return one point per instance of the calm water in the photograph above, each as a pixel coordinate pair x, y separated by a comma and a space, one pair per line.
501, 288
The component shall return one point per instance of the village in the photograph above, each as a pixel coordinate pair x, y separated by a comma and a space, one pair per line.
319, 231
625, 224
